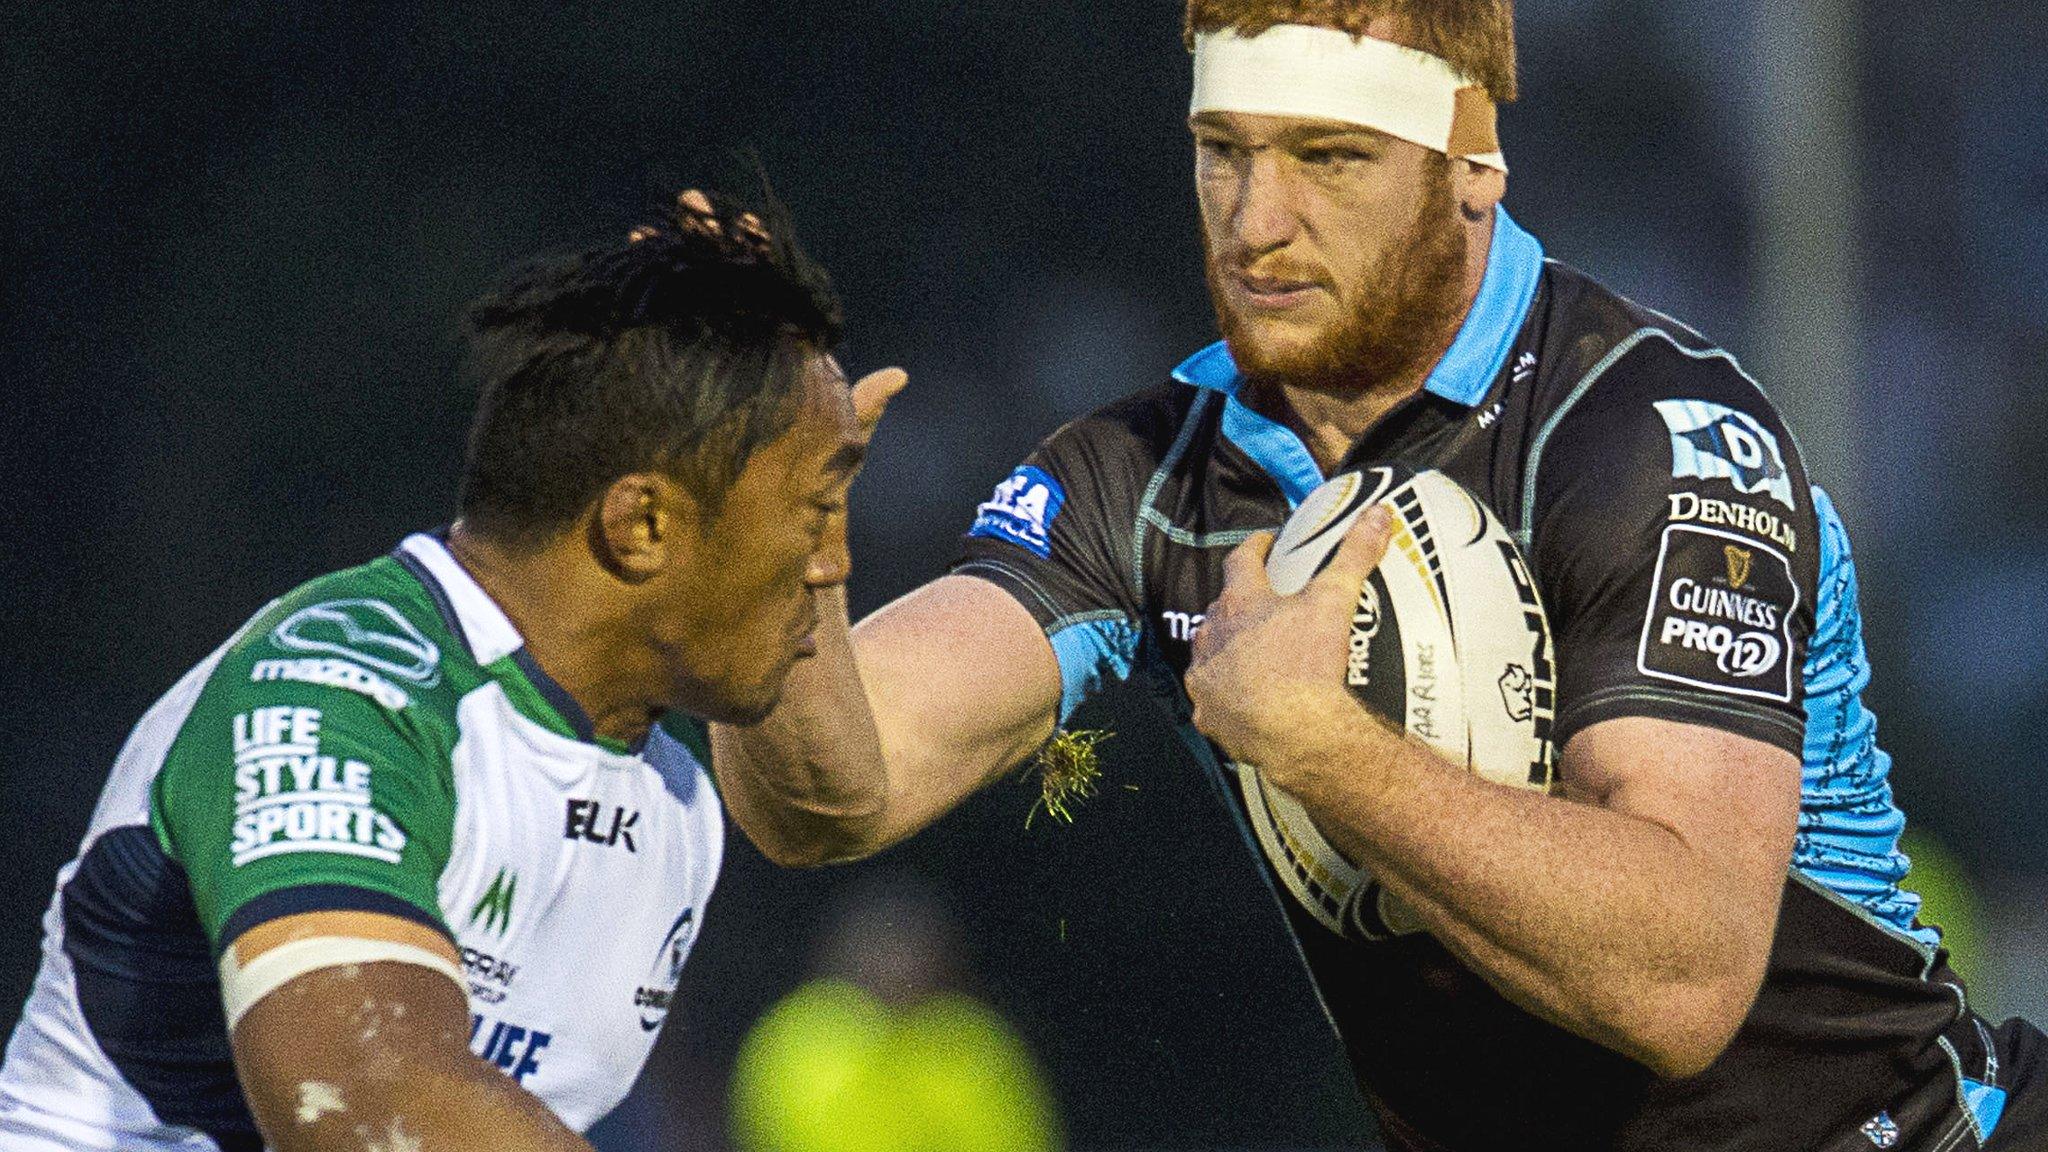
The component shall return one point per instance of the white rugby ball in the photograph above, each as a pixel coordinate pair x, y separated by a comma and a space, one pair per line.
1449, 643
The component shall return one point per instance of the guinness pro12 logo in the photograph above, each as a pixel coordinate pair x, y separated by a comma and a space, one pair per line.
1720, 613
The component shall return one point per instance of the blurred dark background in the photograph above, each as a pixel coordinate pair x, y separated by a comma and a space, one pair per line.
237, 238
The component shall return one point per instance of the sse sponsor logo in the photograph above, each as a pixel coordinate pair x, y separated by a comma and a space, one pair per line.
1022, 510
291, 798
1720, 614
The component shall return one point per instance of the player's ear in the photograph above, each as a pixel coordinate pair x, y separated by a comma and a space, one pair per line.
1477, 189
641, 524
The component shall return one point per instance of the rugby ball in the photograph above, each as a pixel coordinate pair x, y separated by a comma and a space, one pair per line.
1448, 643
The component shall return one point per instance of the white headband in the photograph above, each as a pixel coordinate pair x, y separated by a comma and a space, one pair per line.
1297, 70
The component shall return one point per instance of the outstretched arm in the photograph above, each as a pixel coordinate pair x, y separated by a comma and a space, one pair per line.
892, 723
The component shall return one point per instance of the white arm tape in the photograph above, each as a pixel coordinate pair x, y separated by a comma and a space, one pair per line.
242, 986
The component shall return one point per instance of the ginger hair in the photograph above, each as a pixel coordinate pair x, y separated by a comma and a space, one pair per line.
1477, 37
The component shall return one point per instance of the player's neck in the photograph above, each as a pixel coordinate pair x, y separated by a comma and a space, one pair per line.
1330, 422
566, 630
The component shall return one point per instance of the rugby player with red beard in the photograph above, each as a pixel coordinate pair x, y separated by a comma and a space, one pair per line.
1698, 939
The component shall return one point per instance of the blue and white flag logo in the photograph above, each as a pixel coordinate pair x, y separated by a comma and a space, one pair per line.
1022, 510
1713, 441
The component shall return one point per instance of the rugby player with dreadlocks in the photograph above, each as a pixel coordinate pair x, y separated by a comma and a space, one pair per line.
408, 863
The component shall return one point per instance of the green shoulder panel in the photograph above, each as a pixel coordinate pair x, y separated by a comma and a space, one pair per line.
317, 757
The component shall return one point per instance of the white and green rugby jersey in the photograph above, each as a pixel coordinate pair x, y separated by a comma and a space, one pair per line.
378, 740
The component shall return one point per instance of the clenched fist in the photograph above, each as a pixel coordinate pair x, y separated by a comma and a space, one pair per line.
1267, 672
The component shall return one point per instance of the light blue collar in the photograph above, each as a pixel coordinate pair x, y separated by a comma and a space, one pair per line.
1514, 264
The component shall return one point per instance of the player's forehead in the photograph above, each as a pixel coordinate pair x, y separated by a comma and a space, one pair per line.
1284, 131
827, 434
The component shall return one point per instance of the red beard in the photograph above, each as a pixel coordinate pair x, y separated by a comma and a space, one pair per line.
1405, 319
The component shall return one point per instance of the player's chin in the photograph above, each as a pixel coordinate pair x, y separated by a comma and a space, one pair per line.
741, 713
748, 704
744, 703
1278, 346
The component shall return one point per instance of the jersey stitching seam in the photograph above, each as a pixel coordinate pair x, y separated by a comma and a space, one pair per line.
1955, 1061
1182, 536
1952, 1137
1063, 623
1586, 382
1528, 526
1674, 321
1193, 419
1990, 1053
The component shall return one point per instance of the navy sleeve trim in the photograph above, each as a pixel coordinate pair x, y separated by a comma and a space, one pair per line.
1018, 584
303, 898
1771, 727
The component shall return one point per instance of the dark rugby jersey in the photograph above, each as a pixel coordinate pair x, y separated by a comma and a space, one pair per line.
1691, 574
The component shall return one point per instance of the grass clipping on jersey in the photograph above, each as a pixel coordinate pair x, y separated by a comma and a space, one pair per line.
1069, 772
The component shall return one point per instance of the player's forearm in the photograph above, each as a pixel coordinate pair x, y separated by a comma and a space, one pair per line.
892, 724
1604, 923
964, 688
808, 783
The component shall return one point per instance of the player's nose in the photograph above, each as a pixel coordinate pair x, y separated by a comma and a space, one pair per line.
832, 564
1265, 217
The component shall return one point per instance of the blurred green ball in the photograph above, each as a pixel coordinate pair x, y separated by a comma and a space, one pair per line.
831, 1068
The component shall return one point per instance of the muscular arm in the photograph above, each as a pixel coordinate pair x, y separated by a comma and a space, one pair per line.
892, 723
375, 1056
1636, 910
